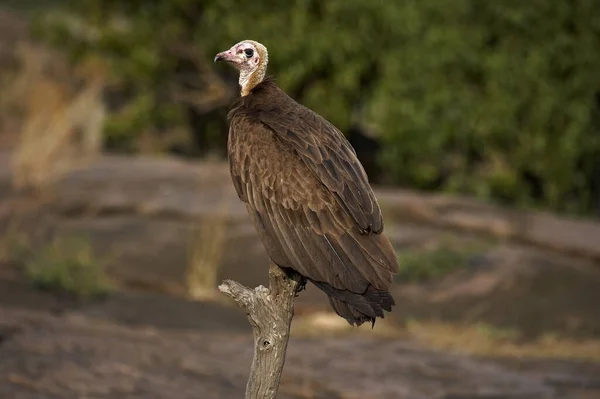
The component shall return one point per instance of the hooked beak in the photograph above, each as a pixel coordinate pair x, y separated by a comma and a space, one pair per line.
224, 56
219, 57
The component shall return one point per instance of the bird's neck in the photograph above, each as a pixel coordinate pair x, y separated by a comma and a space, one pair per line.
250, 79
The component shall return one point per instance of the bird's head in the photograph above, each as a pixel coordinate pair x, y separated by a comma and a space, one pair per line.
250, 58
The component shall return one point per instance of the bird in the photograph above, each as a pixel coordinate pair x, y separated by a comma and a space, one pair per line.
307, 193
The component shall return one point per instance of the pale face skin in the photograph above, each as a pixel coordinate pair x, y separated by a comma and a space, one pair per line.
250, 58
243, 56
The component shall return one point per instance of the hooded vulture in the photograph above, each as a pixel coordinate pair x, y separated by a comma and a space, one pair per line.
307, 193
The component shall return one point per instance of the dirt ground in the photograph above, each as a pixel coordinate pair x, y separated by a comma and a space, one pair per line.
140, 344
516, 320
75, 355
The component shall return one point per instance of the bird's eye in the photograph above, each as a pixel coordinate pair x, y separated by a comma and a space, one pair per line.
249, 52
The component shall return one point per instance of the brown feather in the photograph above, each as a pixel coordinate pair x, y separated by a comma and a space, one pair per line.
310, 201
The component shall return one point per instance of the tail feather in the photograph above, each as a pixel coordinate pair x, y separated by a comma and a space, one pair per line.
353, 316
358, 308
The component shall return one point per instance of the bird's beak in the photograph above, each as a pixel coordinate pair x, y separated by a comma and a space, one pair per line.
219, 57
224, 56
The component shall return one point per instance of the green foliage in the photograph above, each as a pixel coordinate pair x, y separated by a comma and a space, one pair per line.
497, 333
67, 265
496, 100
493, 98
433, 263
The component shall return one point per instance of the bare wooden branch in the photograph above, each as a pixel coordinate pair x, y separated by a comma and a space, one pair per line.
270, 313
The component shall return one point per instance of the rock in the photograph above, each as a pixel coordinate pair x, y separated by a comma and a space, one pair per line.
77, 356
145, 216
519, 288
539, 229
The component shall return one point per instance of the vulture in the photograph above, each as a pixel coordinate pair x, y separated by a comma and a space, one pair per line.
307, 194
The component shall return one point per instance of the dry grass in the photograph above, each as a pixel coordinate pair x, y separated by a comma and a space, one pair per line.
206, 251
11, 239
59, 115
328, 324
485, 340
475, 339
62, 124
305, 387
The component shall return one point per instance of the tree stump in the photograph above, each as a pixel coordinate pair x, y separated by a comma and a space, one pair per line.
270, 311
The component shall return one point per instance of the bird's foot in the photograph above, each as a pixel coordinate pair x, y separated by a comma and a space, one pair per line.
301, 287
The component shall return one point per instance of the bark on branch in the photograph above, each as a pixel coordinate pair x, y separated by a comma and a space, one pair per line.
270, 313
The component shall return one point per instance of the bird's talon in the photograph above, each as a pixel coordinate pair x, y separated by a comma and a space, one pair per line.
301, 287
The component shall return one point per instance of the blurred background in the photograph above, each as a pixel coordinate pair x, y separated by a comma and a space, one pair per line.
477, 122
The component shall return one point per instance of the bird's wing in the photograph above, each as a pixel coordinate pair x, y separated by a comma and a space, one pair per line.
299, 219
330, 157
